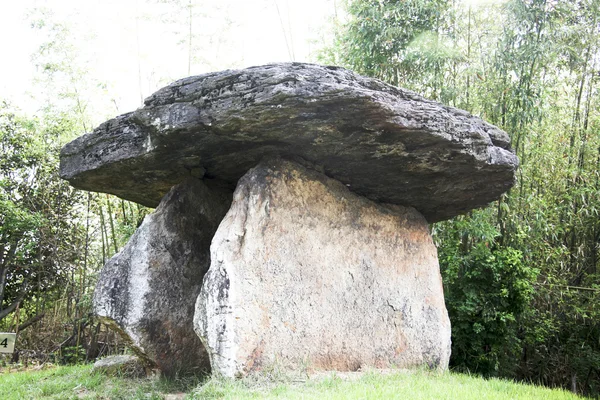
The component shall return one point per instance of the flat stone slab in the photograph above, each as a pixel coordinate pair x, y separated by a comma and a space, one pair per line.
121, 365
385, 143
306, 275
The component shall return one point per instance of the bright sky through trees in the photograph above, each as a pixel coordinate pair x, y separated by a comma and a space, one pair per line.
137, 46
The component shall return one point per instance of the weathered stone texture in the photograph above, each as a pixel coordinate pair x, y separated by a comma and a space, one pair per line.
438, 159
304, 273
148, 290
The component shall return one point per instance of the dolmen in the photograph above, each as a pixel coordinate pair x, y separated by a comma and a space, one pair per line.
291, 229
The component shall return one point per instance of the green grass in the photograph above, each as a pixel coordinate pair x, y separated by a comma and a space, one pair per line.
79, 382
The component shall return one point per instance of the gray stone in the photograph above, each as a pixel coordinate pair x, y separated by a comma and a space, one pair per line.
121, 365
147, 291
387, 144
306, 274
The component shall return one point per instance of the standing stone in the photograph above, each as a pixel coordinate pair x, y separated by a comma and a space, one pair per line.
148, 290
305, 273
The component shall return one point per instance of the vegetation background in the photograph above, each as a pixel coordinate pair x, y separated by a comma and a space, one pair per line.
521, 276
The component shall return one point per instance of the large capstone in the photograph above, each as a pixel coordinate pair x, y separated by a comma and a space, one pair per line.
147, 291
306, 274
387, 144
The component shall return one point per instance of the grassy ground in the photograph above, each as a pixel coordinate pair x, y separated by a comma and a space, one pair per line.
79, 382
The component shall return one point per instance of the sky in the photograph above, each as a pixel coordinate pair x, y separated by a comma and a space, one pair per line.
134, 47
131, 48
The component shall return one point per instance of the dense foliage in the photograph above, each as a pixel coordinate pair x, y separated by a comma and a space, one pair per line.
522, 276
40, 234
49, 253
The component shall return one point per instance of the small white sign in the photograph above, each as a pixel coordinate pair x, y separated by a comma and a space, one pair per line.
7, 342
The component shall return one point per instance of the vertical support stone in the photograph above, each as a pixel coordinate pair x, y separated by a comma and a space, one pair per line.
306, 274
147, 291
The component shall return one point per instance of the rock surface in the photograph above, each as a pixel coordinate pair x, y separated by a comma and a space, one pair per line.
121, 365
387, 144
306, 274
147, 292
